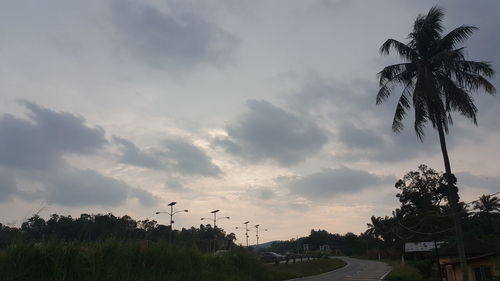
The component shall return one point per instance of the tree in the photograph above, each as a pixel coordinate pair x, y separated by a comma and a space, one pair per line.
436, 80
487, 204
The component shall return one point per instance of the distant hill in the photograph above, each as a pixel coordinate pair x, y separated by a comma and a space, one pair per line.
265, 245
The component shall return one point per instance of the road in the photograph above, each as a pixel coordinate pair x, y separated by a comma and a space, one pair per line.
355, 270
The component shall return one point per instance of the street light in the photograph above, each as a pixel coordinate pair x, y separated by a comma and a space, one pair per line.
215, 224
246, 230
171, 213
257, 235
215, 217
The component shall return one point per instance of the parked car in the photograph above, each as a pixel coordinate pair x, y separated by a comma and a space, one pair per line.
271, 257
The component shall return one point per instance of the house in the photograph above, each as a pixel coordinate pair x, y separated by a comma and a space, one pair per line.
324, 248
483, 262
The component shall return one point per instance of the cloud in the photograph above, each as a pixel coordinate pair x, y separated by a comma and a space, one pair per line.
176, 38
41, 141
84, 187
145, 197
33, 151
132, 155
331, 182
491, 183
188, 159
260, 194
176, 186
361, 129
354, 137
8, 186
267, 132
174, 156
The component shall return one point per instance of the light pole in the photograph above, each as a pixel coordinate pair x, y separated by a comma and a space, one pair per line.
215, 225
246, 230
215, 217
257, 235
171, 213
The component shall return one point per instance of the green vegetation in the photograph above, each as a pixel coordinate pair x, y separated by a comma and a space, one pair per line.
301, 269
111, 260
123, 261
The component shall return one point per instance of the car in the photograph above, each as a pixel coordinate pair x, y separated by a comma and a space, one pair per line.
271, 257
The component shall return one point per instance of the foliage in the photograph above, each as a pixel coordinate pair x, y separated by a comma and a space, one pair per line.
99, 227
348, 244
112, 260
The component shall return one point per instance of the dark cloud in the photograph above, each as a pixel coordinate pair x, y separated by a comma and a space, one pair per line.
132, 155
34, 150
331, 182
145, 197
188, 159
84, 187
491, 183
354, 137
41, 141
363, 129
177, 39
267, 132
176, 156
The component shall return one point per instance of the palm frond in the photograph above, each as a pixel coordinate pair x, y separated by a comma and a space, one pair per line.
403, 105
475, 67
420, 108
457, 36
403, 50
392, 75
473, 82
458, 99
442, 58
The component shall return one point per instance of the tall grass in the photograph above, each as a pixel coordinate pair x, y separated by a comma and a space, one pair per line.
124, 261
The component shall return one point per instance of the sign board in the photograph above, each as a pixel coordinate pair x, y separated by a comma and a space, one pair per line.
422, 246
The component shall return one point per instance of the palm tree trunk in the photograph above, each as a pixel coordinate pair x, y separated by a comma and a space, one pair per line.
453, 201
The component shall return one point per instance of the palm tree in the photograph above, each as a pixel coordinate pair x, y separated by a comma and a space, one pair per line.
487, 204
436, 80
374, 227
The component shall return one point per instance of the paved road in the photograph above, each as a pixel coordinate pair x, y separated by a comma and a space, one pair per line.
355, 270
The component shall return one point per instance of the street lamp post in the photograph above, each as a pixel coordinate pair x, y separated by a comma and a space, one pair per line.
257, 235
215, 225
246, 230
171, 213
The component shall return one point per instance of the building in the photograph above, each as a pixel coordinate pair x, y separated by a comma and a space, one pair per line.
483, 262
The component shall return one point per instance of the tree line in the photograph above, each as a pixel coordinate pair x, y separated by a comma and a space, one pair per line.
99, 227
424, 215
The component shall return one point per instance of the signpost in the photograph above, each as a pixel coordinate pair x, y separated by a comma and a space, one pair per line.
422, 246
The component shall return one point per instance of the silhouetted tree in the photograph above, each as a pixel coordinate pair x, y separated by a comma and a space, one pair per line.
487, 204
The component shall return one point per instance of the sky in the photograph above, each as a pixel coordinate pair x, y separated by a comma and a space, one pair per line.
264, 110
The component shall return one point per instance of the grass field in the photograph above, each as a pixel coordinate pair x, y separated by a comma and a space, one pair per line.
128, 261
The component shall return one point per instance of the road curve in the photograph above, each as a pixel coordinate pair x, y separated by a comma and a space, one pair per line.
355, 270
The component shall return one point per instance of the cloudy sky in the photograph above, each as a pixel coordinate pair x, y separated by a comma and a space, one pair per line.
262, 109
